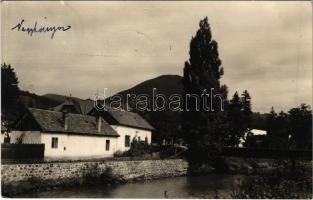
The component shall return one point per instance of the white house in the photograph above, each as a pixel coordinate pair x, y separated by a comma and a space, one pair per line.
258, 132
66, 134
254, 132
128, 125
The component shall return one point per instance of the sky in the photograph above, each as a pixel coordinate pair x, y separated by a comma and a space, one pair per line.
265, 47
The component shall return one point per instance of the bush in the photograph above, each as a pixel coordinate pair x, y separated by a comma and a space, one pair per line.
278, 185
119, 154
97, 176
138, 148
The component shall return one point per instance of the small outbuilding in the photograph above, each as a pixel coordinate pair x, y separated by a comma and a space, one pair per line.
254, 138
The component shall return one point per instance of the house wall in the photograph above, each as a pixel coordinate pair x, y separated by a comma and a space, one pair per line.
2, 138
132, 132
77, 146
28, 137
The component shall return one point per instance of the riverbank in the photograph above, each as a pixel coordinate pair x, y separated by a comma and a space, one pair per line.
27, 177
19, 178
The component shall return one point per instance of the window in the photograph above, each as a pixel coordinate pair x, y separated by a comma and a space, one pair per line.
127, 141
107, 145
54, 143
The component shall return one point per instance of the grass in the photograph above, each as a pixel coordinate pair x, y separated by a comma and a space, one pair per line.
281, 184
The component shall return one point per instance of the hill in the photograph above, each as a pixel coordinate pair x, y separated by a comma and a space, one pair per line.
33, 100
165, 84
28, 99
166, 122
58, 98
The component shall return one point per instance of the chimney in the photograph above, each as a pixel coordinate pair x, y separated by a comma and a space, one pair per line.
98, 118
65, 120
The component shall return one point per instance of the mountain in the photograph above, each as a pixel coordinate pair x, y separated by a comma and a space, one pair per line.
165, 84
167, 122
33, 100
59, 98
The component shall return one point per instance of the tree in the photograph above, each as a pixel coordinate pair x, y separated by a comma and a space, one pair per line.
240, 117
277, 130
270, 121
9, 93
203, 130
278, 138
297, 123
9, 86
282, 129
301, 126
138, 148
246, 108
236, 118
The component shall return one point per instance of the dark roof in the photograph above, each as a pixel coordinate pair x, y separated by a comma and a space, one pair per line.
80, 106
84, 105
130, 119
51, 121
3, 127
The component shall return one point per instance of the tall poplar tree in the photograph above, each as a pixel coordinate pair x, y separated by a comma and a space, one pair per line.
203, 130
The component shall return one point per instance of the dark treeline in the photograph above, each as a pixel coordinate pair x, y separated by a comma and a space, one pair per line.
291, 130
207, 133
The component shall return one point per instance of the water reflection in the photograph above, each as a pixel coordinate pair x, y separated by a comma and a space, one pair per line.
179, 187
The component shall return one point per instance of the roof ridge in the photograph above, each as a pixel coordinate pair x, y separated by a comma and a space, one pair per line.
53, 111
77, 123
129, 118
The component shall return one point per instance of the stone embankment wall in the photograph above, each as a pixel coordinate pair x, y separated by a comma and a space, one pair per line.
15, 177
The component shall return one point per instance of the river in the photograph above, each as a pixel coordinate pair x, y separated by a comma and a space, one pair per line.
178, 187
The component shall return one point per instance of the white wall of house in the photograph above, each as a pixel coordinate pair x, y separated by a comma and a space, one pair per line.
78, 146
124, 131
2, 138
258, 132
254, 132
28, 137
68, 145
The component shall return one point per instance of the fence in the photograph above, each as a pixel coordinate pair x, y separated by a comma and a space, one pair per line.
11, 152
